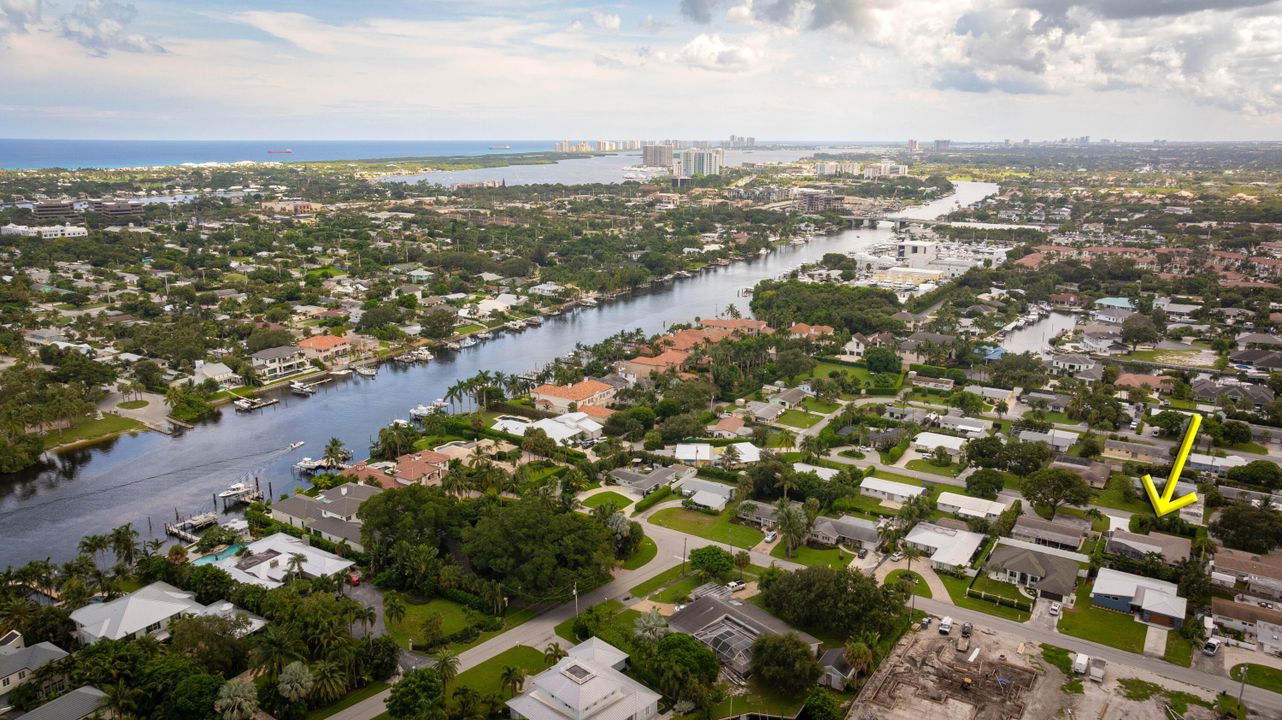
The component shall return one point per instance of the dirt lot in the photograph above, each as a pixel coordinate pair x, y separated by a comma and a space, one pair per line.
926, 678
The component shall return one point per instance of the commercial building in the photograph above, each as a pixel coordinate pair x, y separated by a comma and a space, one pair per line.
47, 209
44, 232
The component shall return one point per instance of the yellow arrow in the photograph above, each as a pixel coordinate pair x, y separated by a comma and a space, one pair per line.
1163, 504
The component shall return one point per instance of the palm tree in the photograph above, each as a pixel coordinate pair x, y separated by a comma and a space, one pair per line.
553, 653
512, 678
447, 667
467, 700
792, 525
330, 681
237, 700
295, 682
858, 656
787, 439
122, 700
810, 448
95, 545
393, 607
335, 452
650, 626
124, 543
454, 484
275, 648
294, 565
910, 552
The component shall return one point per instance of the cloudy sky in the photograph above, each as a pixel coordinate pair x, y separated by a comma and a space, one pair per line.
540, 69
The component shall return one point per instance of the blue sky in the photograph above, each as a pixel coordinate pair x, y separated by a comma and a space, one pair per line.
779, 69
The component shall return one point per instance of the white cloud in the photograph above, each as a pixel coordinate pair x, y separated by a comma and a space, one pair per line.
102, 25
710, 52
606, 21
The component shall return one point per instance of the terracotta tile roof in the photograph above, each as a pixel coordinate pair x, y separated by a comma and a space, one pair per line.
596, 411
666, 359
576, 393
322, 342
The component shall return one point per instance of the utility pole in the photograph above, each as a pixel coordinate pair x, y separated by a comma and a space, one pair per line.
684, 541
576, 598
1242, 685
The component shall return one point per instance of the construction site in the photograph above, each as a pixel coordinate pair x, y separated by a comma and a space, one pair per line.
989, 676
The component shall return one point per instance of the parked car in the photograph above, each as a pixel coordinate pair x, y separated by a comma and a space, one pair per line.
925, 622
772, 536
863, 553
1212, 646
734, 585
354, 579
1055, 608
966, 629
946, 625
896, 557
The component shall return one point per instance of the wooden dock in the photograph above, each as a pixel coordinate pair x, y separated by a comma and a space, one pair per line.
186, 529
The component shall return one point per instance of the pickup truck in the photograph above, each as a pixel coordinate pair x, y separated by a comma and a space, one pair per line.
962, 643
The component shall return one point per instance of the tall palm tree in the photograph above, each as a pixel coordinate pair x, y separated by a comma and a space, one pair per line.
295, 682
446, 666
122, 700
95, 545
467, 701
512, 678
792, 525
237, 700
393, 607
858, 656
335, 452
330, 681
294, 565
124, 544
553, 653
455, 483
787, 439
274, 648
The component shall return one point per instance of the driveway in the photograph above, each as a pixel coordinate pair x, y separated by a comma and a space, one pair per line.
937, 588
370, 596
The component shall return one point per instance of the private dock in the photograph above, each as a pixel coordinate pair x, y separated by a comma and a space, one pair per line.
186, 529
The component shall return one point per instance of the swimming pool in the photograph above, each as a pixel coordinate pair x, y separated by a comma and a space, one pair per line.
207, 559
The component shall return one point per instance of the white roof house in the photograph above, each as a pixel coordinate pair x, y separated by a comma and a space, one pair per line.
147, 611
889, 489
709, 499
823, 472
562, 429
693, 452
692, 486
927, 442
266, 562
585, 686
971, 506
748, 453
948, 547
1148, 595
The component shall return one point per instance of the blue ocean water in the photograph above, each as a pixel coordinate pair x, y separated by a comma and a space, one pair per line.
26, 154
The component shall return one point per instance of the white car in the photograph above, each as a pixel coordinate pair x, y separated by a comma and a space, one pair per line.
772, 536
734, 585
1055, 608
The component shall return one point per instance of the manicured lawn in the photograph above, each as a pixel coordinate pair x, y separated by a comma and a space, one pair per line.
348, 700
1181, 404
711, 527
486, 678
950, 470
469, 328
776, 440
644, 553
664, 578
823, 408
758, 700
565, 628
920, 588
825, 369
1115, 495
957, 591
1250, 447
410, 627
618, 501
887, 475
1059, 418
679, 590
108, 424
798, 418
1109, 627
993, 587
835, 558
862, 502
1261, 676
1179, 651
133, 404
511, 620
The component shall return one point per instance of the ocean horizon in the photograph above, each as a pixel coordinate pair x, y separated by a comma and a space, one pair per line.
37, 154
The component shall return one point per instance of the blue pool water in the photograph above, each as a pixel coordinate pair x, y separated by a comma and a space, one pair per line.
207, 559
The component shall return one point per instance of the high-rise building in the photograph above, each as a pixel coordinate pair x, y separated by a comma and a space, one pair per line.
943, 145
656, 155
913, 146
54, 209
701, 161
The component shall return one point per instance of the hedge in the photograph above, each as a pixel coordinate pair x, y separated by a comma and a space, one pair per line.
652, 499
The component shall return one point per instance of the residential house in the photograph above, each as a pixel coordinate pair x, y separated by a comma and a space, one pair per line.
644, 483
845, 530
762, 514
664, 362
1263, 624
992, 395
1261, 574
331, 514
859, 343
18, 661
731, 629
1058, 440
948, 548
567, 398
216, 371
325, 348
927, 442
837, 673
278, 362
422, 467
823, 473
1122, 450
739, 326
271, 561
705, 493
1112, 316
696, 454
1200, 462
916, 348
587, 684
1151, 383
931, 383
889, 489
764, 411
83, 703
1055, 402
802, 331
148, 611
1154, 601
971, 427
917, 416
1209, 391
1071, 363
789, 398
1049, 576
1054, 534
968, 506
730, 426
1171, 548
1259, 340
1093, 471
564, 429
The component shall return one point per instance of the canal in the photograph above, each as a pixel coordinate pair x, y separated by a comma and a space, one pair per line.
145, 479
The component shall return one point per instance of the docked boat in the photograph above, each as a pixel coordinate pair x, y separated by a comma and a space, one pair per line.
484, 335
252, 404
309, 465
515, 325
423, 355
341, 373
367, 371
235, 490
534, 320
467, 342
588, 302
452, 345
301, 389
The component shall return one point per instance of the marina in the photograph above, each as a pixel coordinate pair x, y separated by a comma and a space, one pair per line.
142, 477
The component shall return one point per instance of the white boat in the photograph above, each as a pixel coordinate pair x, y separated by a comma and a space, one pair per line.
366, 371
466, 342
341, 373
423, 355
235, 490
309, 465
588, 302
484, 335
763, 251
535, 320
401, 422
452, 345
421, 411
296, 445
301, 389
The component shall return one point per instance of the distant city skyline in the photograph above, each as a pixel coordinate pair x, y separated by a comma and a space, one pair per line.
805, 70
